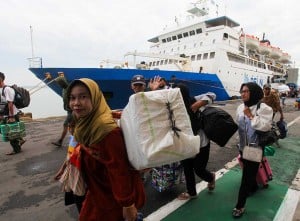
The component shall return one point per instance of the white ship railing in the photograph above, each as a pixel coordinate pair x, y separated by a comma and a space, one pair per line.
35, 62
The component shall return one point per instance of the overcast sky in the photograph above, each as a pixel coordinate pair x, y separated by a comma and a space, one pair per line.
81, 33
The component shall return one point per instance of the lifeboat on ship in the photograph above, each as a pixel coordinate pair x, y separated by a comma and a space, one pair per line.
251, 41
264, 48
275, 53
285, 58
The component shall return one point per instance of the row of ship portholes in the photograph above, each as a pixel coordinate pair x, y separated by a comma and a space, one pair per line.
206, 56
182, 35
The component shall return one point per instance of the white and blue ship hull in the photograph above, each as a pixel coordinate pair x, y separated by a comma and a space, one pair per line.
116, 83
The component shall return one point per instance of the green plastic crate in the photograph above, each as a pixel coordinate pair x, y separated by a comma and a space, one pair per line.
12, 131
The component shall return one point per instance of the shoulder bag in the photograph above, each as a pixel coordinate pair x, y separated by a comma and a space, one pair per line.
266, 138
217, 124
251, 152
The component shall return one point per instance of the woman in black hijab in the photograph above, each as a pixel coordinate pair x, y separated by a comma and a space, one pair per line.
250, 117
196, 165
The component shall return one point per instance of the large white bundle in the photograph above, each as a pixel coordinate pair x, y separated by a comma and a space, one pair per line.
151, 139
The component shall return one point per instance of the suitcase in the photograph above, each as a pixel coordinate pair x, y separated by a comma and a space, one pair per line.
264, 174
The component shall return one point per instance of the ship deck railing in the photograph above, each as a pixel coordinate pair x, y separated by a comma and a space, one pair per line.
256, 63
35, 62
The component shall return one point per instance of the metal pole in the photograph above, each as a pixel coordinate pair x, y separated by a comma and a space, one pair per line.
32, 54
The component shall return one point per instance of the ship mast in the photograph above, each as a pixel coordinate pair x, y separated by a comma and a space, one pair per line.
32, 53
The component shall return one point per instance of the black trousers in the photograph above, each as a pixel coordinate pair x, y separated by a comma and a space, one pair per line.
197, 165
248, 183
71, 198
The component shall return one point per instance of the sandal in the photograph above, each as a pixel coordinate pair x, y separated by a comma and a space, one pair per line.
186, 196
57, 143
238, 212
211, 186
22, 142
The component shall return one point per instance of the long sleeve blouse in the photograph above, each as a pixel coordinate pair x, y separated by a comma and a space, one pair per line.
262, 121
111, 182
209, 97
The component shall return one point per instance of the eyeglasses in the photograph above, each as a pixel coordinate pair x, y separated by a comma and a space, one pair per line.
244, 91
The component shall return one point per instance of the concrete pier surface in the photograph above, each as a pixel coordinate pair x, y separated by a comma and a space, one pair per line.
28, 191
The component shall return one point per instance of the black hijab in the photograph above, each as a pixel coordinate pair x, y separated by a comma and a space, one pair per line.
185, 92
188, 101
256, 93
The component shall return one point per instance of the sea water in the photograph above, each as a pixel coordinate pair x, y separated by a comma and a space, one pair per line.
45, 103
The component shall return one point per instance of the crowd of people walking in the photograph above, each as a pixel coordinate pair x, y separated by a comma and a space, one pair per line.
113, 190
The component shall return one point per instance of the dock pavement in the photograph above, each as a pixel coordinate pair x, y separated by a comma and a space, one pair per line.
28, 191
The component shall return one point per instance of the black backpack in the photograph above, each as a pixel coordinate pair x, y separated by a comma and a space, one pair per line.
22, 96
217, 124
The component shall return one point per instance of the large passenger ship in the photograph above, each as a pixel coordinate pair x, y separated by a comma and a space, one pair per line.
207, 52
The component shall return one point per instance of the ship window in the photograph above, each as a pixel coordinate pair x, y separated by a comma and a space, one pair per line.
205, 56
170, 61
172, 50
166, 61
199, 30
185, 34
201, 43
193, 57
178, 48
225, 36
168, 39
199, 56
212, 55
150, 63
174, 38
184, 47
214, 41
161, 62
163, 40
195, 44
157, 63
192, 32
179, 36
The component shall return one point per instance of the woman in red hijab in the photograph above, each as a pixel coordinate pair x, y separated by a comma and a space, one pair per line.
114, 189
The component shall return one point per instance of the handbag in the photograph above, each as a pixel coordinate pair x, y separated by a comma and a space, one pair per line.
72, 180
166, 176
72, 177
251, 151
266, 138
